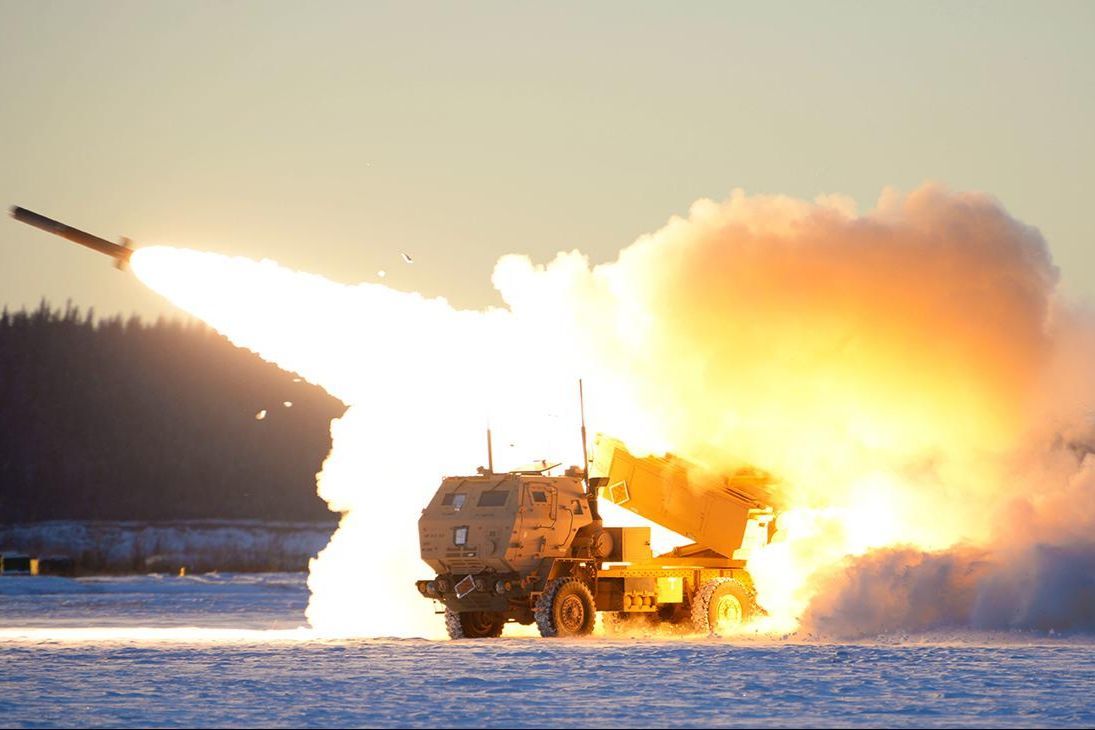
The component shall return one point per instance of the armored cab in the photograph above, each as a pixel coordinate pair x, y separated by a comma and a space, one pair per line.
501, 525
494, 541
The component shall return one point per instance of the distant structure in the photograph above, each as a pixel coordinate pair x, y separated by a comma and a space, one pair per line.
18, 565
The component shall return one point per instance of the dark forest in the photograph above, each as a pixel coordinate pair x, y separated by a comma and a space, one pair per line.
118, 419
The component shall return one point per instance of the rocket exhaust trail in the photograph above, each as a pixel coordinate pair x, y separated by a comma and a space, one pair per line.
120, 252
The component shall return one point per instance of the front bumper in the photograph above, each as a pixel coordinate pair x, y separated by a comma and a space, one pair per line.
483, 592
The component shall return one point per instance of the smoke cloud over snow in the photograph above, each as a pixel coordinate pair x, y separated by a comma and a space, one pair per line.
1035, 571
909, 374
1040, 586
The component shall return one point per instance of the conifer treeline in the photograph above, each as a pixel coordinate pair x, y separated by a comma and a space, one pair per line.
117, 419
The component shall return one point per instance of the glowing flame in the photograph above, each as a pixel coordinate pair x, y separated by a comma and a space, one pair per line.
886, 367
422, 381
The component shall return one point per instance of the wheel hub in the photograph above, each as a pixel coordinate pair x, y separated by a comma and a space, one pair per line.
728, 613
479, 621
572, 613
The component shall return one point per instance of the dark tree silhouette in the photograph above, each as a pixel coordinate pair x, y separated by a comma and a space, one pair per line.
120, 420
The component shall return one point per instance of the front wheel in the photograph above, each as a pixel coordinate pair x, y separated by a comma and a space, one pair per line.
565, 608
722, 606
474, 624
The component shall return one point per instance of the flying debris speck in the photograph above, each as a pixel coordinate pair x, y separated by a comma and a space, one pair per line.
382, 273
260, 415
407, 258
287, 403
298, 380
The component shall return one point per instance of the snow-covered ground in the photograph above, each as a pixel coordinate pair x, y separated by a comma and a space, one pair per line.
232, 600
222, 650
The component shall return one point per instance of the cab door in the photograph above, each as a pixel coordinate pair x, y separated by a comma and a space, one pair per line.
541, 503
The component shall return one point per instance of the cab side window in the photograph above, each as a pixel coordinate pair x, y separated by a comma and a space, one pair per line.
454, 500
496, 498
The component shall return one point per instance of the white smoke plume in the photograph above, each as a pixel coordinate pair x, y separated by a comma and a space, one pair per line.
1037, 571
909, 374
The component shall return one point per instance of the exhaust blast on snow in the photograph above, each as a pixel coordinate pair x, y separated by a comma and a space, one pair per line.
909, 374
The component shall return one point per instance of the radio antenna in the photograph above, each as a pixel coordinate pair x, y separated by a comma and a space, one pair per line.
585, 447
490, 453
590, 494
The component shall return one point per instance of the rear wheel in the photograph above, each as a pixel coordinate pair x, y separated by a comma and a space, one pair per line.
565, 608
474, 624
722, 606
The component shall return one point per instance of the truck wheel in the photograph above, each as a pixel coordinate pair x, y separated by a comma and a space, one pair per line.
473, 624
565, 608
721, 606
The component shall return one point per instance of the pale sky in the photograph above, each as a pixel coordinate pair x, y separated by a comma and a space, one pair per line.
333, 136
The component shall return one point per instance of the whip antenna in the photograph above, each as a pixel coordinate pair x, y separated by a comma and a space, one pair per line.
490, 454
585, 448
